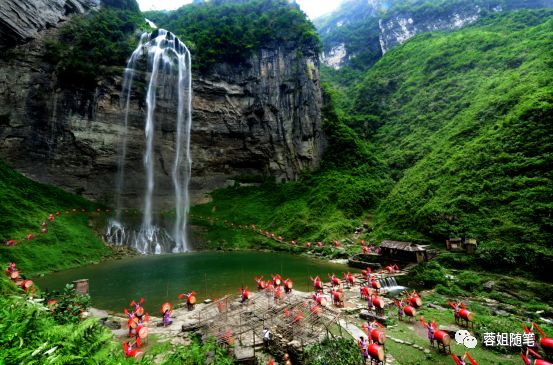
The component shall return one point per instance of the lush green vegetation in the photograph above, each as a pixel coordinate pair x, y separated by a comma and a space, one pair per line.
335, 351
465, 128
31, 334
310, 209
199, 353
90, 45
69, 304
428, 9
131, 5
425, 9
25, 204
229, 31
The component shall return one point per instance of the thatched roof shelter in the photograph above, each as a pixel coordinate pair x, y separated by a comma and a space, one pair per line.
403, 251
403, 246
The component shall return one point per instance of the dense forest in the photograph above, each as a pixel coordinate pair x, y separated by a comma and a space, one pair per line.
91, 48
229, 31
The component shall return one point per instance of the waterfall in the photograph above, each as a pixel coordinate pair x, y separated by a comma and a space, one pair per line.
181, 177
164, 52
150, 23
126, 94
389, 284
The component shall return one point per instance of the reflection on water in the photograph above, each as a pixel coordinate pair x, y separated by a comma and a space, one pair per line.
212, 274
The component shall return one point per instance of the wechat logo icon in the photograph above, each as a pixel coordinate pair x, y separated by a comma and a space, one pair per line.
464, 337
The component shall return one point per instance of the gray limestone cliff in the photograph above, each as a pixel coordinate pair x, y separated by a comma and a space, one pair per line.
361, 31
261, 117
22, 20
398, 28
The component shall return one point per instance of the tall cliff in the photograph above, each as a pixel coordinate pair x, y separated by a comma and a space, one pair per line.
257, 117
361, 31
21, 21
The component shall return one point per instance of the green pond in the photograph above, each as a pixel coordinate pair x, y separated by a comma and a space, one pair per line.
160, 278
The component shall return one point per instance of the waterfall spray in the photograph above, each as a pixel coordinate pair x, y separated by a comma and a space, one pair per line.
126, 93
181, 177
164, 51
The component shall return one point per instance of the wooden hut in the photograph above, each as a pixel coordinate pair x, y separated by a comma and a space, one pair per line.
454, 244
470, 246
404, 251
467, 245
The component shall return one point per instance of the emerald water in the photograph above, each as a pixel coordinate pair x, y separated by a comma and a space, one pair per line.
161, 278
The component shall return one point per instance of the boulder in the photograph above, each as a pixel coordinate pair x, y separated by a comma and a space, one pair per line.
488, 285
113, 325
500, 313
371, 316
435, 306
451, 329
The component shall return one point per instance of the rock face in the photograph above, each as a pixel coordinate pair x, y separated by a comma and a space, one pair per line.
21, 21
336, 57
355, 17
368, 29
400, 27
261, 117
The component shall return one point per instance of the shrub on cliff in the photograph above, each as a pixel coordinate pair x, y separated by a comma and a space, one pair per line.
229, 31
89, 44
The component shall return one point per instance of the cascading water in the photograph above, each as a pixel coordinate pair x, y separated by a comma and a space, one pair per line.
389, 284
126, 93
164, 52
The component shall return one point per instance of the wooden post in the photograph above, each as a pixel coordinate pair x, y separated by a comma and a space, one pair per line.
81, 286
205, 283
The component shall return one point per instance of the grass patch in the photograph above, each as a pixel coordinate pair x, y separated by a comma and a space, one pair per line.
70, 241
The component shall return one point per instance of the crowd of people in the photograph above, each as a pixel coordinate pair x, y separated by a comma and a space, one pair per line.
138, 331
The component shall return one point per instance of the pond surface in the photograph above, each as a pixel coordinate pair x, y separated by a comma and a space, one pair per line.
160, 278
